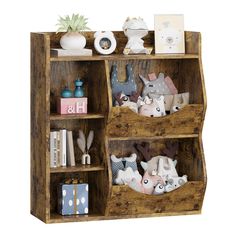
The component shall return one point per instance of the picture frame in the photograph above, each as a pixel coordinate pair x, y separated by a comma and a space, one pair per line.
169, 34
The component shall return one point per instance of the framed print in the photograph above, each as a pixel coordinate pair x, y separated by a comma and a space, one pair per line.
169, 34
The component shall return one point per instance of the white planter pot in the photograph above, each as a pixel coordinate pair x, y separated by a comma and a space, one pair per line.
73, 40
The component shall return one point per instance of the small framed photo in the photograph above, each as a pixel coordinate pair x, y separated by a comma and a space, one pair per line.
169, 34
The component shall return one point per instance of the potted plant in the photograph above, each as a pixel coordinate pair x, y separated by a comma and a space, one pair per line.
73, 26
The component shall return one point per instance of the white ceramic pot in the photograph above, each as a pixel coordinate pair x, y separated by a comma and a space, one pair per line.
73, 40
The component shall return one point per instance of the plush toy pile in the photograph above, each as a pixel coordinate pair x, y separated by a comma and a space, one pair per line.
159, 94
159, 176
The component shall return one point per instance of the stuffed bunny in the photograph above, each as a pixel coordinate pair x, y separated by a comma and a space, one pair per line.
81, 141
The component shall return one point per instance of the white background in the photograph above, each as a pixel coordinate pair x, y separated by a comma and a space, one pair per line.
215, 19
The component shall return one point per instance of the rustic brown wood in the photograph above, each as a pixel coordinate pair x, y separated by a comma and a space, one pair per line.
191, 41
77, 168
40, 67
125, 57
116, 129
76, 117
186, 198
125, 123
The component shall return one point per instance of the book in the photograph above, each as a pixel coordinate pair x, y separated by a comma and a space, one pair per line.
59, 52
58, 149
70, 149
62, 147
53, 149
169, 34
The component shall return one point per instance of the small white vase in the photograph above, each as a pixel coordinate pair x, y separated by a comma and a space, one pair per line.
73, 40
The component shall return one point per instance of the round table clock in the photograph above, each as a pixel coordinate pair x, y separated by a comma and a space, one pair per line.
105, 42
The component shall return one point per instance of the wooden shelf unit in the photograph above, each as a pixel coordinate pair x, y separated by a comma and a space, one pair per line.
117, 129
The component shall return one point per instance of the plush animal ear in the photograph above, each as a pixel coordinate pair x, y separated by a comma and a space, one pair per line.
144, 165
148, 100
145, 81
161, 76
144, 149
118, 98
134, 96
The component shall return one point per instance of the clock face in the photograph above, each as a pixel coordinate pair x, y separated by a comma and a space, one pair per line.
105, 43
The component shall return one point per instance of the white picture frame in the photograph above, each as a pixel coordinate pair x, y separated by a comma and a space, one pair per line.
169, 34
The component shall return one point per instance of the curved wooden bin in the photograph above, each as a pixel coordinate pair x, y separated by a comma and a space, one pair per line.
123, 122
125, 201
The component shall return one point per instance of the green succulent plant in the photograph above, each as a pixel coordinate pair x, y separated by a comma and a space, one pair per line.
75, 23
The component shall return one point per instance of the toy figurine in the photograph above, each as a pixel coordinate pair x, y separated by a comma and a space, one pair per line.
135, 29
79, 91
85, 146
66, 93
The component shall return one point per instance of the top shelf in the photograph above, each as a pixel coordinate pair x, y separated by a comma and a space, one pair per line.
125, 57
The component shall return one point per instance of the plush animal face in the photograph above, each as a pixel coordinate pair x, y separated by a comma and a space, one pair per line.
175, 182
125, 101
179, 101
154, 109
150, 181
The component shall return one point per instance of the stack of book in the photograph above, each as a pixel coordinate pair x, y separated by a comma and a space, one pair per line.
61, 148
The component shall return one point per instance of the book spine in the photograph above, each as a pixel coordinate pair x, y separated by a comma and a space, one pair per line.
58, 149
63, 147
70, 149
53, 149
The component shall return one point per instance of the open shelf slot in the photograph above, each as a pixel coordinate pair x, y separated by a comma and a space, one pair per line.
190, 160
97, 149
64, 73
95, 193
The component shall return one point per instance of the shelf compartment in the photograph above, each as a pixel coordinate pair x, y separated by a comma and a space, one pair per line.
125, 123
78, 168
56, 116
189, 197
125, 57
126, 201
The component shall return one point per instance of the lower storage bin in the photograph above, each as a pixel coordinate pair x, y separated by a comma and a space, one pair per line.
126, 201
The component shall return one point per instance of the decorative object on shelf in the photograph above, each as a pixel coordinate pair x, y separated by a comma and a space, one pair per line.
73, 39
124, 169
105, 42
66, 93
179, 101
135, 29
85, 146
127, 87
153, 107
147, 183
79, 91
172, 183
73, 198
169, 34
157, 86
126, 175
72, 105
128, 101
